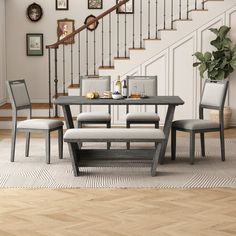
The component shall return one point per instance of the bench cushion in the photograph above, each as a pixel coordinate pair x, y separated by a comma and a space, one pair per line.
94, 116
39, 124
119, 134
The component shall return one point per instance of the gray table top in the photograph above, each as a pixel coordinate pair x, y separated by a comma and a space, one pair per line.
158, 100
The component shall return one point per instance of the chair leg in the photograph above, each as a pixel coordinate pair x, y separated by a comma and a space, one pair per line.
156, 127
128, 143
60, 143
48, 146
222, 144
80, 127
109, 143
202, 144
173, 144
27, 144
13, 144
192, 147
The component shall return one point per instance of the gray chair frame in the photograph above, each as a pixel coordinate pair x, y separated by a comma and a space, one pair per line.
129, 123
27, 106
203, 106
108, 123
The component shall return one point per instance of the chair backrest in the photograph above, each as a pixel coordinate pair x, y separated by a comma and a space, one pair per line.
18, 94
98, 84
214, 94
146, 85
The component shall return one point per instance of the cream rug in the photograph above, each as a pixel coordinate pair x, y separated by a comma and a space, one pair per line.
33, 172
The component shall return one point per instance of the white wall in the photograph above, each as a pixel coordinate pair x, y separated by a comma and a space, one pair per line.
2, 52
35, 69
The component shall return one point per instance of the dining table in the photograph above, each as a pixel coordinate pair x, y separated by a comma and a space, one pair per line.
170, 101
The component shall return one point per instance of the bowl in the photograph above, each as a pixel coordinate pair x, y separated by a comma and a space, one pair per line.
117, 96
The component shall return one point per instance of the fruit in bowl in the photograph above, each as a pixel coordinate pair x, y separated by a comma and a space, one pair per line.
116, 95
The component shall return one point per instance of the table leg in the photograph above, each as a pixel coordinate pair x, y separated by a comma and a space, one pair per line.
68, 116
166, 130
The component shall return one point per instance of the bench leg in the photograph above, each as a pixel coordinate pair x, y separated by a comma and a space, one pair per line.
156, 159
108, 143
73, 154
128, 143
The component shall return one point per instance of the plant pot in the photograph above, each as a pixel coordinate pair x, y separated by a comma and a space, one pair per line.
214, 116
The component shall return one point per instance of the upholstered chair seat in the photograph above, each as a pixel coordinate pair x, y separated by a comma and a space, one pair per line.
20, 100
142, 117
94, 117
98, 84
146, 86
195, 124
39, 124
213, 97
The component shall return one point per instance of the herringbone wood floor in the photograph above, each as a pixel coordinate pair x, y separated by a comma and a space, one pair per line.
118, 212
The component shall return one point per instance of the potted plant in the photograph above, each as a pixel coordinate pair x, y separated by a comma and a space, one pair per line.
218, 64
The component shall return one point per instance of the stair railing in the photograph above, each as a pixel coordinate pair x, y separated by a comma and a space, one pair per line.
115, 36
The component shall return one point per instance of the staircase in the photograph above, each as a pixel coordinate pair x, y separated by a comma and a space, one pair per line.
129, 44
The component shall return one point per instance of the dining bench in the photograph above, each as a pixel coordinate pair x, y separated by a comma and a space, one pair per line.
75, 136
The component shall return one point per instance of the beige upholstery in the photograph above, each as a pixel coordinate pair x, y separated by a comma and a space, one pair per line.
93, 116
39, 124
195, 124
20, 95
213, 94
142, 116
124, 134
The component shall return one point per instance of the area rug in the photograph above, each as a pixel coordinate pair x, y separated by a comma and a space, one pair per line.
33, 172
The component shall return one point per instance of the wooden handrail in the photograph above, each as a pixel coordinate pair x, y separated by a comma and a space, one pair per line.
68, 37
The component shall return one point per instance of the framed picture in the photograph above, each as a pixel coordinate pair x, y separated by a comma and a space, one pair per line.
34, 12
95, 4
34, 44
127, 8
64, 28
93, 26
62, 5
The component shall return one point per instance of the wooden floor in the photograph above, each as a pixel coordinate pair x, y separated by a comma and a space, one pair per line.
118, 212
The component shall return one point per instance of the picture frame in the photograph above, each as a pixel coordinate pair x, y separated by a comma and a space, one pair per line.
62, 5
95, 4
127, 8
34, 44
34, 12
64, 28
93, 26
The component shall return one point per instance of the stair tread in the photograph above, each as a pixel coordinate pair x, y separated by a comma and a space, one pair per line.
153, 39
7, 106
167, 30
136, 48
182, 20
198, 10
121, 58
60, 94
106, 67
20, 118
73, 86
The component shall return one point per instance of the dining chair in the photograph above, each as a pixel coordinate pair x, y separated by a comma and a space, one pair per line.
213, 97
144, 86
94, 84
20, 100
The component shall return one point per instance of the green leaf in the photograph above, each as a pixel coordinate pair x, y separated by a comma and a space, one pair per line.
202, 69
199, 56
221, 75
215, 31
233, 63
217, 43
223, 31
196, 64
207, 56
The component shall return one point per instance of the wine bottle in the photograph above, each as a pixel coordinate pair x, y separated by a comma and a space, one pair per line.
124, 89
